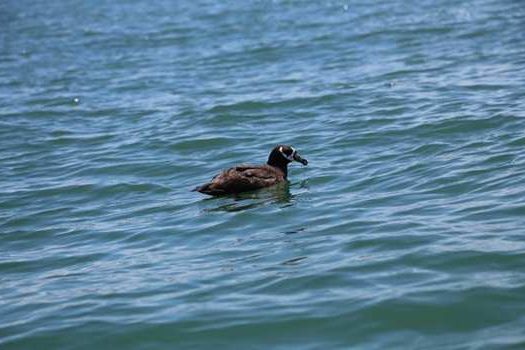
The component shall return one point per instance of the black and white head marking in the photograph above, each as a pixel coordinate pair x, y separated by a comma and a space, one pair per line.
290, 156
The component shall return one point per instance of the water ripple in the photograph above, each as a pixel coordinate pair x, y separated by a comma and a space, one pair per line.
405, 230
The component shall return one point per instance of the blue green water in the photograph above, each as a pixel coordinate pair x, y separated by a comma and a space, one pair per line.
406, 230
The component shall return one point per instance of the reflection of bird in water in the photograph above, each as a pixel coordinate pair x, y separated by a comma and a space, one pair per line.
278, 194
244, 178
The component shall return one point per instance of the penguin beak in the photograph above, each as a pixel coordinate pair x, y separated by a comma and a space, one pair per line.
298, 158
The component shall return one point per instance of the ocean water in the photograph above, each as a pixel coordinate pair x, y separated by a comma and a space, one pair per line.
405, 231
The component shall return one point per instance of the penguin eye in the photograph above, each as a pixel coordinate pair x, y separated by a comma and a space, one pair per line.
285, 153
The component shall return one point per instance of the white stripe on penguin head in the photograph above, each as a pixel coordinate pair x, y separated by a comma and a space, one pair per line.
289, 157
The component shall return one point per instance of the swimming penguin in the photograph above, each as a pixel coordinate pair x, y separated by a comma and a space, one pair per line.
243, 178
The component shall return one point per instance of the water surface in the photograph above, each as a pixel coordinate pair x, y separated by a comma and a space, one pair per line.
405, 230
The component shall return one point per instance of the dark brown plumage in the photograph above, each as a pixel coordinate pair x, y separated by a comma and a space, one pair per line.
243, 178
